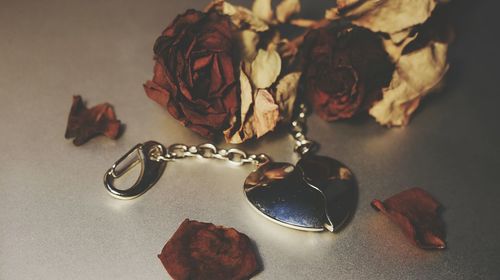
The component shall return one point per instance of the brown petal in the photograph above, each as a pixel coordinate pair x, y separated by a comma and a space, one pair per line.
265, 68
242, 16
286, 93
286, 9
388, 16
415, 212
240, 129
84, 124
263, 10
157, 93
205, 251
181, 21
266, 113
417, 74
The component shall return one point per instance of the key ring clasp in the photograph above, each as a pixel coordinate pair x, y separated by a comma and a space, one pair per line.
151, 169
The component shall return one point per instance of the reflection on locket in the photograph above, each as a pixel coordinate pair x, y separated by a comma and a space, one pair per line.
318, 193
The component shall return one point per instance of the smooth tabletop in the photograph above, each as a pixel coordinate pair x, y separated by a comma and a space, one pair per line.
58, 222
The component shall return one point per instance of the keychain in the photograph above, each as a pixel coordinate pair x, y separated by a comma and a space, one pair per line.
315, 194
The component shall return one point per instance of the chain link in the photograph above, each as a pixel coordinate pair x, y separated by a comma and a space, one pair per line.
209, 151
298, 131
233, 155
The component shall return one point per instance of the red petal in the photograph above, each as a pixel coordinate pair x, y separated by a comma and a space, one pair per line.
157, 93
181, 21
84, 124
205, 251
415, 212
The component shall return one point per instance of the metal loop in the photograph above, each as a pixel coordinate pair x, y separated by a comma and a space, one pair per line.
207, 150
262, 159
146, 155
178, 150
222, 152
299, 136
236, 156
304, 146
156, 152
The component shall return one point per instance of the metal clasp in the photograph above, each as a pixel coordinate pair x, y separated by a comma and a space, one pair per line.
151, 169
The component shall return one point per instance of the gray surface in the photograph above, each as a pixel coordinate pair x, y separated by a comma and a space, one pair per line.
57, 221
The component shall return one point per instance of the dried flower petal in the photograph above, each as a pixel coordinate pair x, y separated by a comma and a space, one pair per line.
415, 212
259, 114
205, 251
241, 129
286, 93
266, 113
332, 14
397, 42
342, 4
249, 40
240, 16
387, 16
286, 9
262, 9
265, 68
417, 74
84, 124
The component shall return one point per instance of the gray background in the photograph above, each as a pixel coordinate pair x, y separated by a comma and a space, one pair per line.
58, 222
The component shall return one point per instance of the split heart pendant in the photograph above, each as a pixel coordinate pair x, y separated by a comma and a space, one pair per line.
318, 193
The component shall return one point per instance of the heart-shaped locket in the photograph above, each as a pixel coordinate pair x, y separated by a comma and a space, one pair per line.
318, 193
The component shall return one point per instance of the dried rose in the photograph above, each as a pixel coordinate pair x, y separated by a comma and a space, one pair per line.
84, 124
415, 212
345, 69
196, 74
205, 251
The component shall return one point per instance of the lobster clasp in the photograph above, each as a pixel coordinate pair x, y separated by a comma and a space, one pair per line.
151, 170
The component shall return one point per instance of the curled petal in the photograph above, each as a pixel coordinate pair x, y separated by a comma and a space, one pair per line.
240, 128
240, 16
84, 124
262, 9
249, 40
417, 74
416, 213
266, 113
265, 68
286, 94
387, 16
286, 9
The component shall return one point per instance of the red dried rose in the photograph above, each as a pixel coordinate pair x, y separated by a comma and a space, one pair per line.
205, 251
84, 124
345, 69
415, 212
196, 73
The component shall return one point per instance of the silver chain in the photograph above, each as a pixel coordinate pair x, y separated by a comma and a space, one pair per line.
207, 150
298, 131
233, 155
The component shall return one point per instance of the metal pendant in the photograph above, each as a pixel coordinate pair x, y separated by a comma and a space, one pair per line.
318, 193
